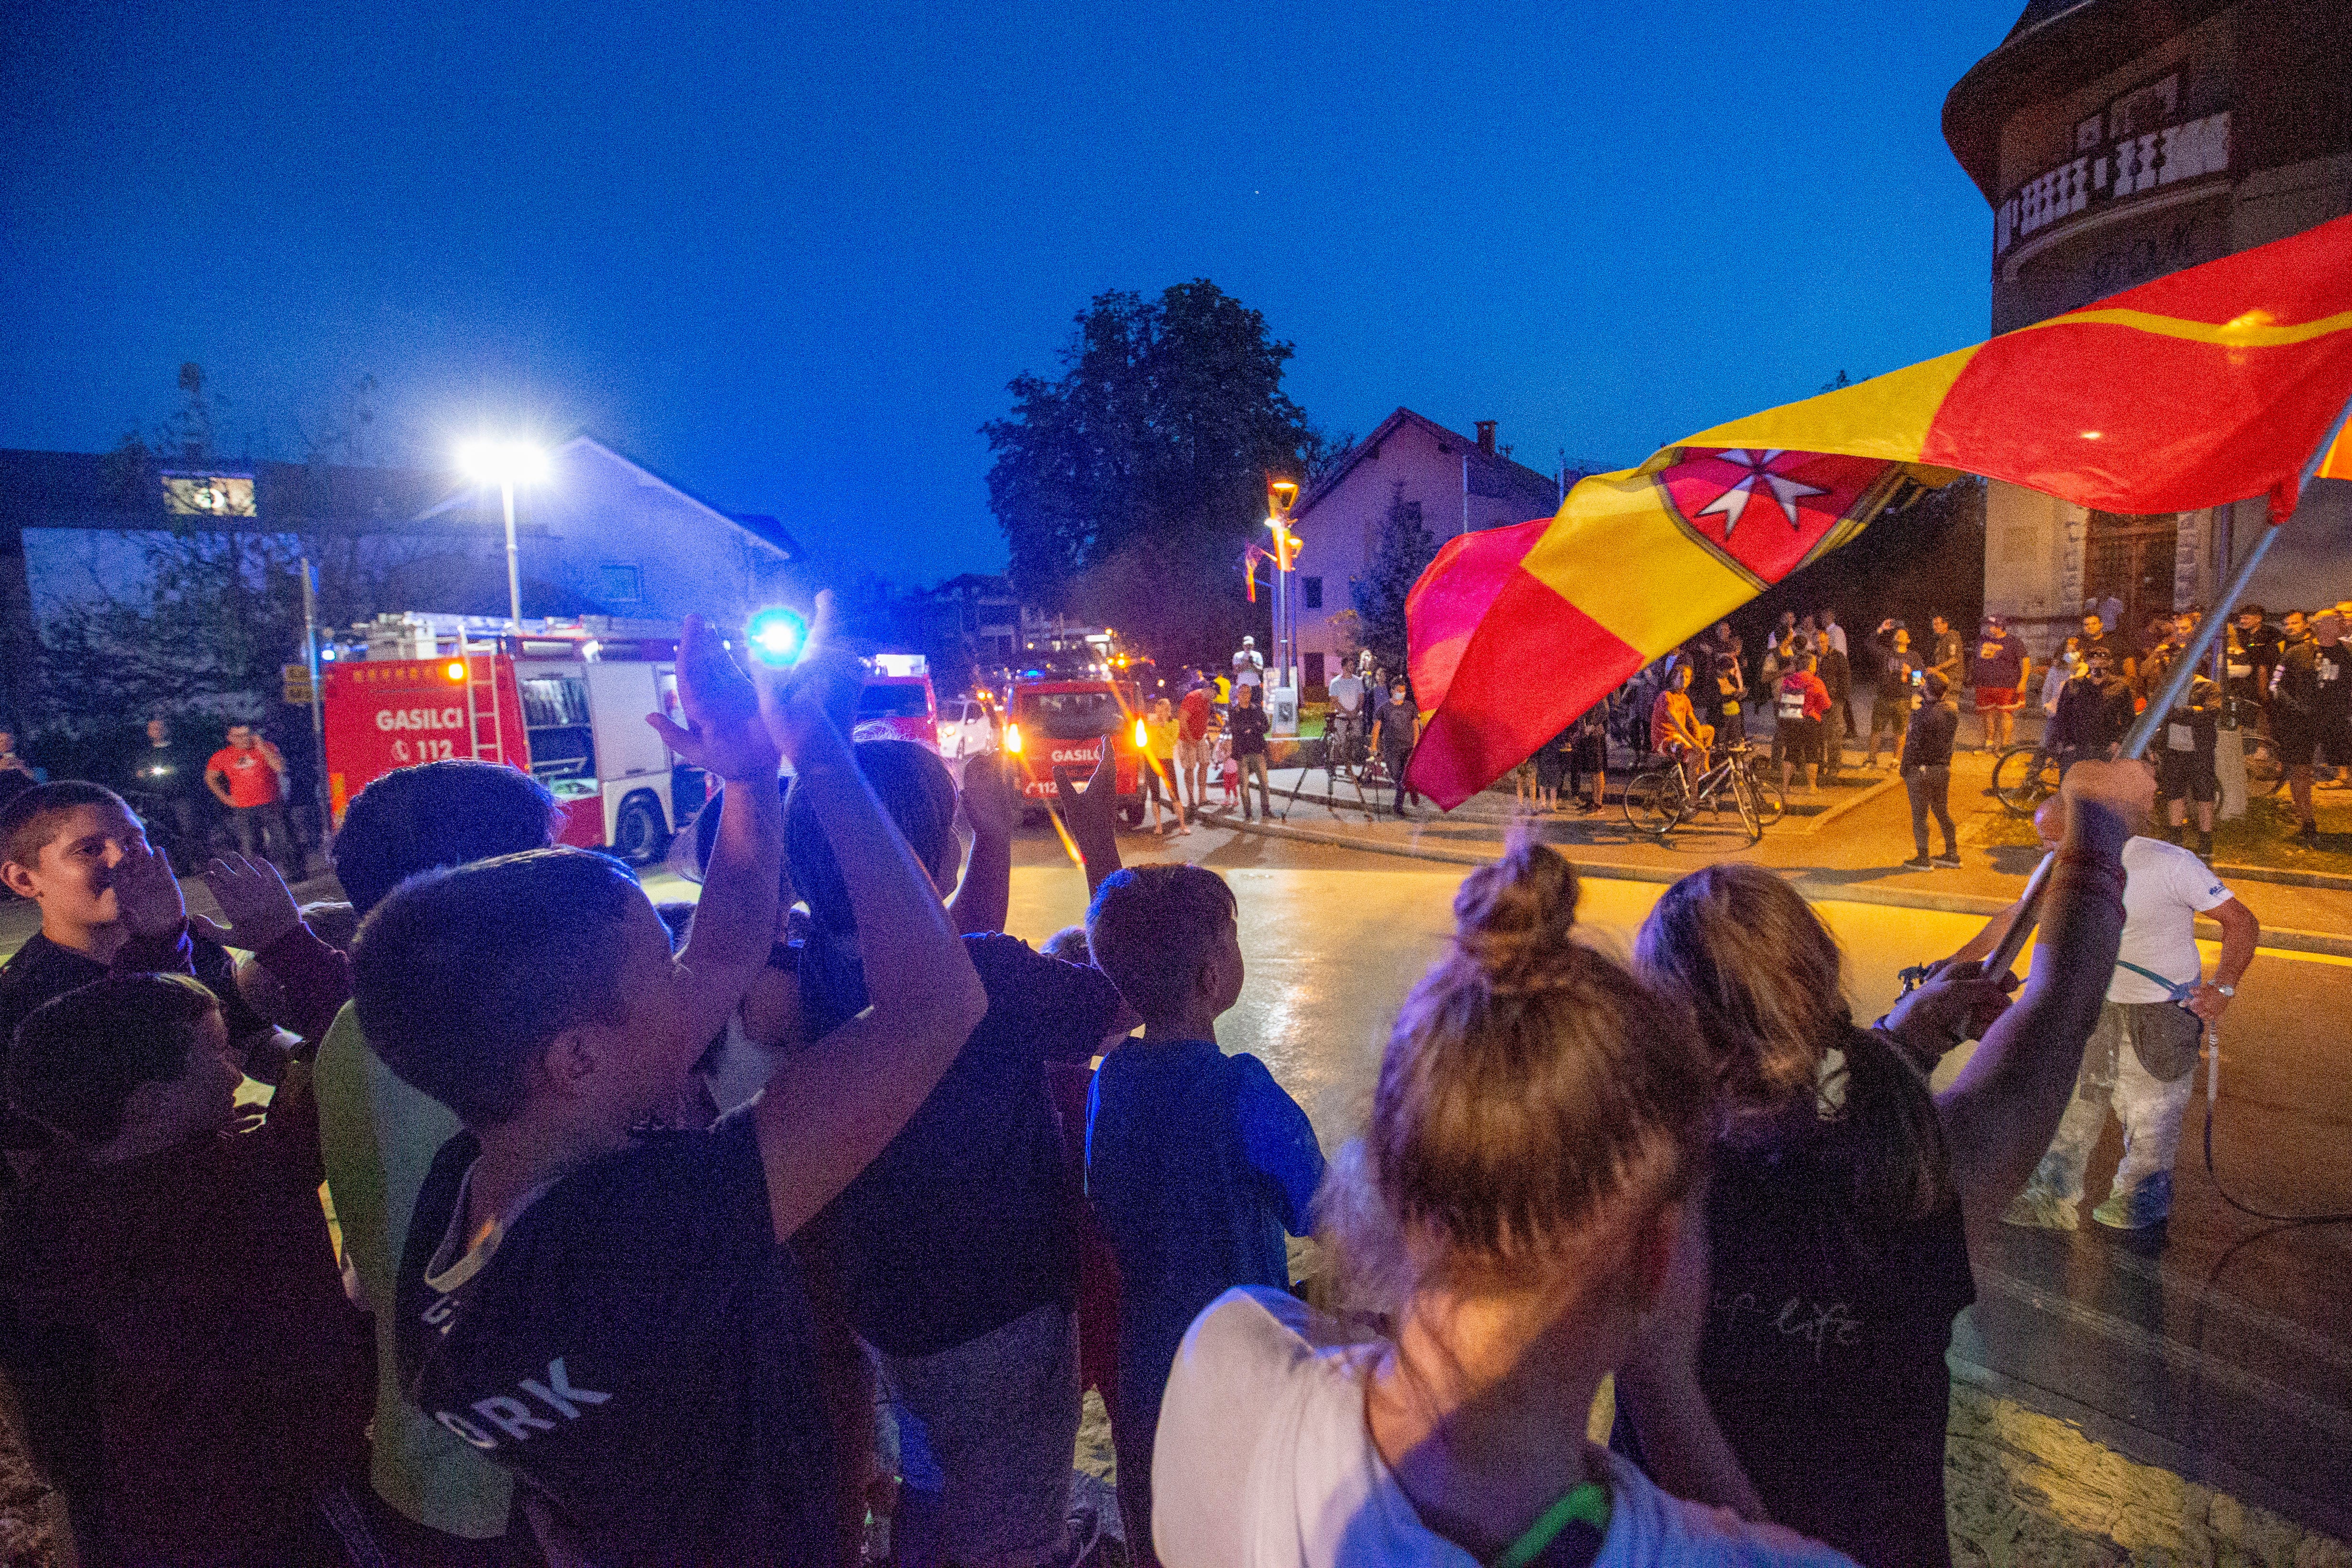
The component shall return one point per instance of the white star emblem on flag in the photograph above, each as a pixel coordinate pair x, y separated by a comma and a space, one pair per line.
1732, 503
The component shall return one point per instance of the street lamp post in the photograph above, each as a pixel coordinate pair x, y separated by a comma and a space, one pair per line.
505, 464
1281, 495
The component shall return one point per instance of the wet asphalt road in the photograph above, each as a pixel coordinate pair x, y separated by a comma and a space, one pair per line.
2219, 1347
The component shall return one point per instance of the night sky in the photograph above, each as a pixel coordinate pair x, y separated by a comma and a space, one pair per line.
789, 258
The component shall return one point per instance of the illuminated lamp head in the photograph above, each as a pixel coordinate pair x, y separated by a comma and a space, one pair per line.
776, 636
454, 669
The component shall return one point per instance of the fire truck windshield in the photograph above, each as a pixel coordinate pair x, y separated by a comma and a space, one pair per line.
1071, 715
882, 701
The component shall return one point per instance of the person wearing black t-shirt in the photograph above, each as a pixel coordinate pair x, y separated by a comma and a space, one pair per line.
614, 1317
166, 776
2253, 654
2096, 636
957, 1249
1844, 1204
1247, 725
2311, 706
1926, 767
1890, 708
2095, 712
2185, 773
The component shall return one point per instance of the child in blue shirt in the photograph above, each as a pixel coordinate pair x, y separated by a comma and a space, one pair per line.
1197, 1162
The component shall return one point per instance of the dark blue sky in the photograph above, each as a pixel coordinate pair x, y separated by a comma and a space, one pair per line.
789, 256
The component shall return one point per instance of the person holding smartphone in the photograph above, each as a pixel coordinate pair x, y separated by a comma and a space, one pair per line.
1890, 711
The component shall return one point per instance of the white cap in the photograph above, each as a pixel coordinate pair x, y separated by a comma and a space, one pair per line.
1249, 642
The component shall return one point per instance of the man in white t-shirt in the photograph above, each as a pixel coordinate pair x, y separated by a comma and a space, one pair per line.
2142, 1055
1265, 1460
1347, 731
1249, 665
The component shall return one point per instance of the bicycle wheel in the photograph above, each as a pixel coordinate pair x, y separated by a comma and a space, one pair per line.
1656, 801
2024, 777
1770, 805
1743, 794
2264, 772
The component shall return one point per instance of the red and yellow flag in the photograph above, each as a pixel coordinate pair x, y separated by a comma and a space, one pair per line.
2204, 388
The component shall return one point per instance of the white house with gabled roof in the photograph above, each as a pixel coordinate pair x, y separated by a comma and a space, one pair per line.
605, 534
1456, 483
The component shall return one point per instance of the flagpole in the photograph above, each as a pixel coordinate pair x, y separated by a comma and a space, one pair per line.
2184, 668
2160, 706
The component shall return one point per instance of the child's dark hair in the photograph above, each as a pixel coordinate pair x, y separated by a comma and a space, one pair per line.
29, 822
437, 813
1069, 944
1532, 1086
76, 1058
1151, 927
917, 791
462, 976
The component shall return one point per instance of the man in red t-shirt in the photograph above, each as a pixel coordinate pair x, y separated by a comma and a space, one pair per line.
248, 776
1193, 743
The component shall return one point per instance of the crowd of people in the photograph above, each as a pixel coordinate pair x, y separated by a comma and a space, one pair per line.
190, 796
1209, 748
710, 1240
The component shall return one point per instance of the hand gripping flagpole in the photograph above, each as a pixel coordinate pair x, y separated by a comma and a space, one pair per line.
2175, 682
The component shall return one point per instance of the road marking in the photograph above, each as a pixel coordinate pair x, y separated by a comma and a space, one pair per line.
2304, 1340
2252, 1386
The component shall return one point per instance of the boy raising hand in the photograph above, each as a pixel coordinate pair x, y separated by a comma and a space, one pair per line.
612, 1317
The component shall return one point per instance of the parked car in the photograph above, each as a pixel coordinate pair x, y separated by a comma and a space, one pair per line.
967, 727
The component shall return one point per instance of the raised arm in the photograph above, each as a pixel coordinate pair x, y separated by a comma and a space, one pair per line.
314, 980
726, 732
1090, 817
2001, 1111
830, 1109
990, 797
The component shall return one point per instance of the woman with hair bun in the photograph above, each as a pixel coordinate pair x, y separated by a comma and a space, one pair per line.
1845, 1194
1512, 1210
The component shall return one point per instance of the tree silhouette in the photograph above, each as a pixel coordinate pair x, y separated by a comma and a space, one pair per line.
1128, 487
1405, 549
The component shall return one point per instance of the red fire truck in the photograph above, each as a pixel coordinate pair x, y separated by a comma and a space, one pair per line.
565, 702
1063, 708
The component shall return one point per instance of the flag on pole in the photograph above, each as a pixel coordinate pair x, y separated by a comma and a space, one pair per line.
2200, 388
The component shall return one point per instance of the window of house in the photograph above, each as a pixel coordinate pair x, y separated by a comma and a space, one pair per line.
622, 584
208, 495
1313, 588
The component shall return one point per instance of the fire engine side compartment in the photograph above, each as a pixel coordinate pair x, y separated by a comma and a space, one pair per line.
381, 714
630, 756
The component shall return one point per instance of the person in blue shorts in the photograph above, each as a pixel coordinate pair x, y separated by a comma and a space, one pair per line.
1197, 1162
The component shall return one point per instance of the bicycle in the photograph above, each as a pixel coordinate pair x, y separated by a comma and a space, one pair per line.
1659, 800
1770, 803
2024, 777
2264, 772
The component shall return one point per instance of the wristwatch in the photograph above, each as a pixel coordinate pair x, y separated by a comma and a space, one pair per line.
2225, 990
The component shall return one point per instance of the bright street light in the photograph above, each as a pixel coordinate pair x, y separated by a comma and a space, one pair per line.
503, 462
506, 464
